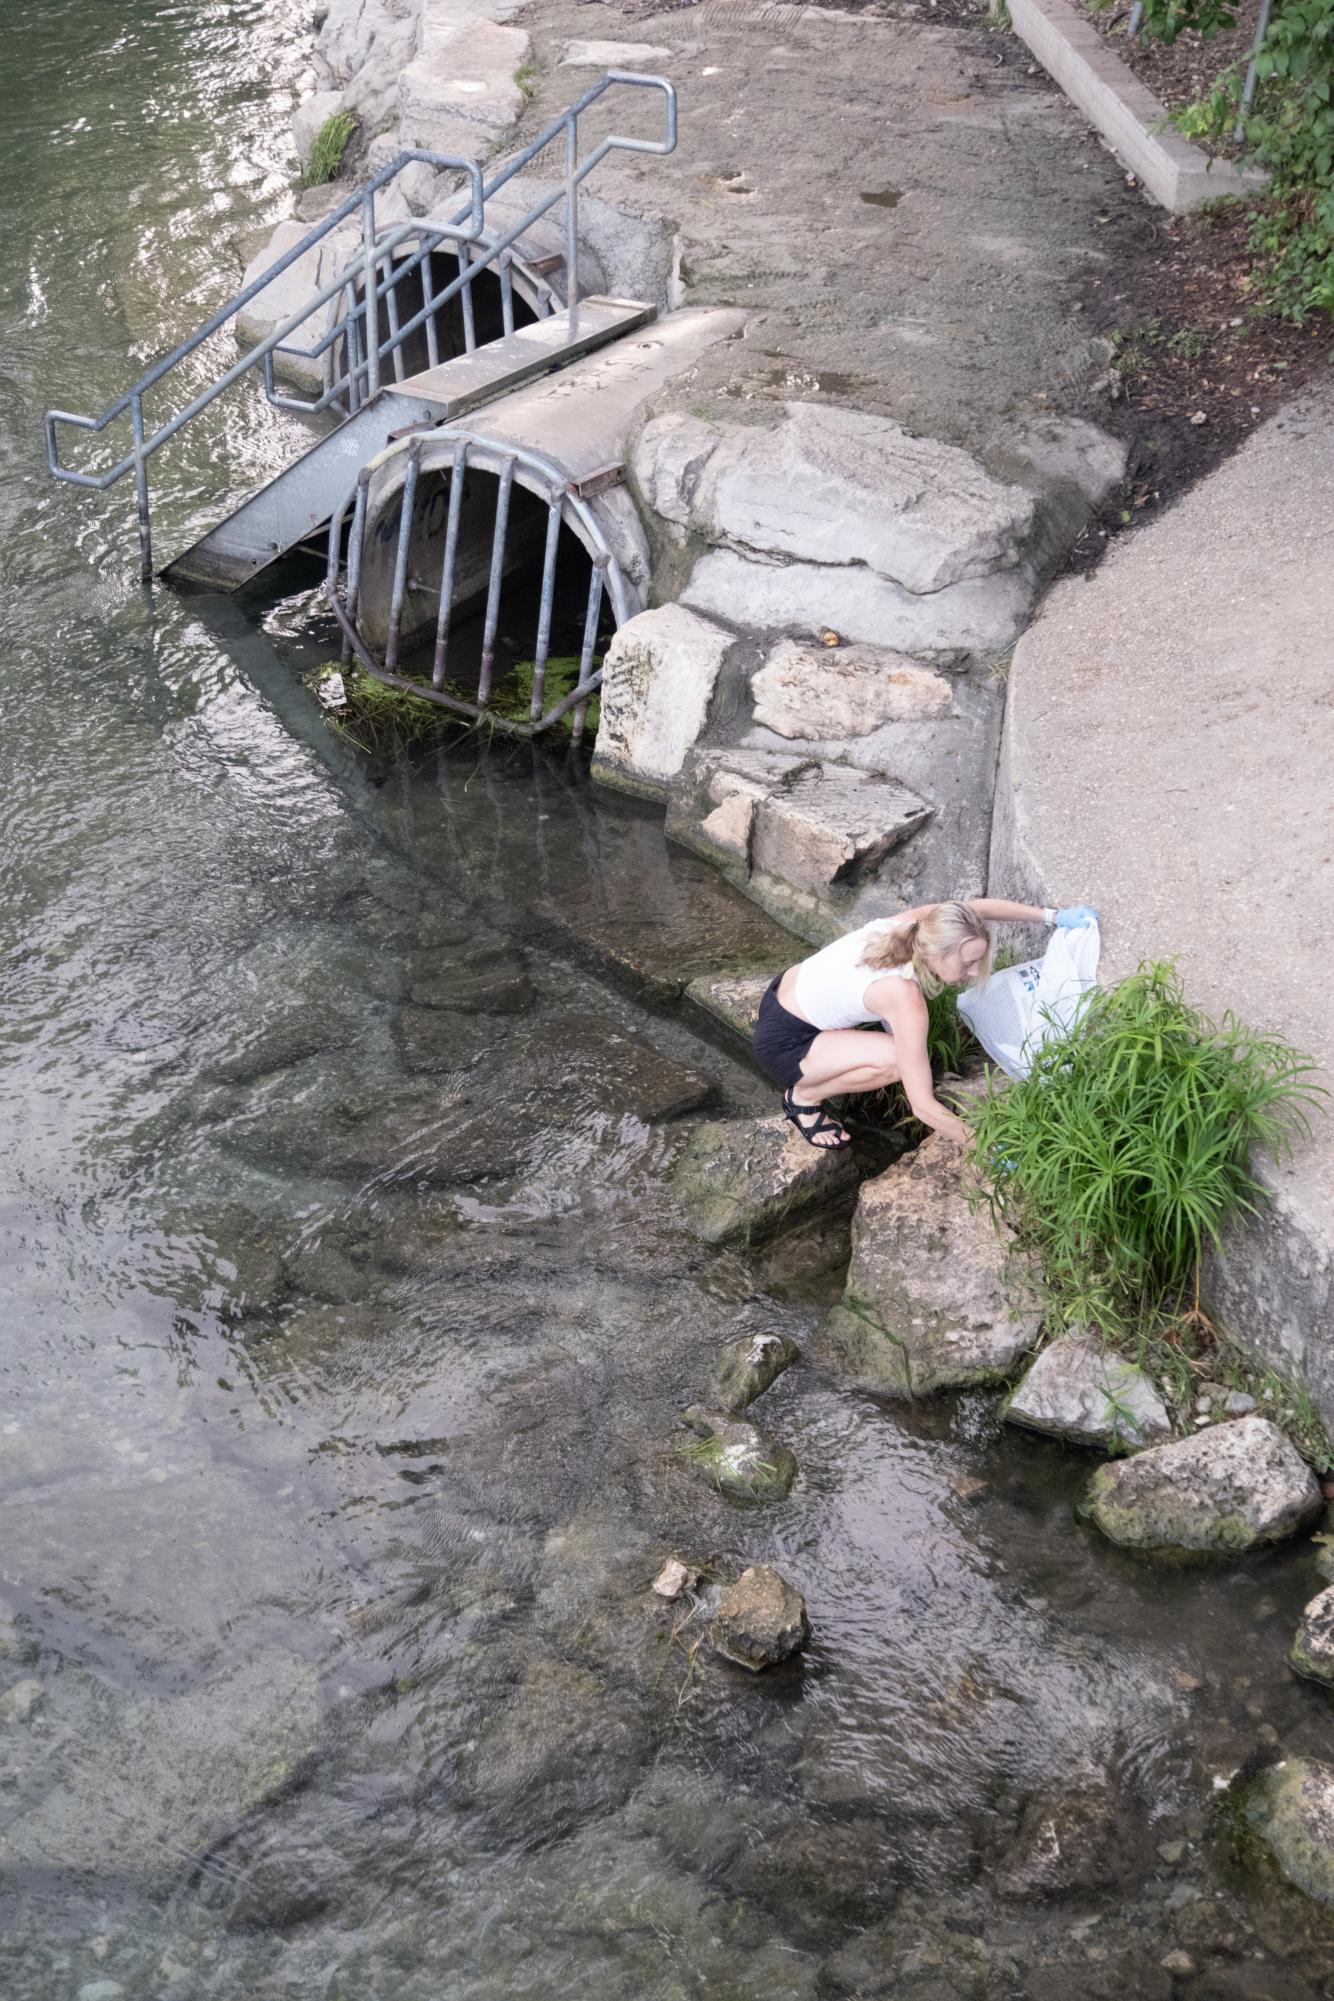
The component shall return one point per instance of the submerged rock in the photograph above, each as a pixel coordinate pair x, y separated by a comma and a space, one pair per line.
731, 998
492, 980
1234, 1487
566, 1748
1083, 1835
1078, 1390
1290, 1809
760, 1620
741, 1180
1313, 1650
925, 1307
745, 1369
155, 1782
739, 1459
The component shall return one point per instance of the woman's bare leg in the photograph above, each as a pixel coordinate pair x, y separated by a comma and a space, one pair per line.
843, 1061
840, 1063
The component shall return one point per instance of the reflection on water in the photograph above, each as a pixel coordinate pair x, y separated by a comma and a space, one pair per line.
345, 1332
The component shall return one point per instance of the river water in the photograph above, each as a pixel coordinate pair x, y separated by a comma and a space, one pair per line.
345, 1336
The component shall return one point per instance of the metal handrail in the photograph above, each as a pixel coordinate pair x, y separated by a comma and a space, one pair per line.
465, 228
498, 250
133, 399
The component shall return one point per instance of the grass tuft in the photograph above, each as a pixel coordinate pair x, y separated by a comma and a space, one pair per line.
327, 149
1126, 1149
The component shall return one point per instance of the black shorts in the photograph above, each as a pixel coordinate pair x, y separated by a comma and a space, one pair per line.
781, 1039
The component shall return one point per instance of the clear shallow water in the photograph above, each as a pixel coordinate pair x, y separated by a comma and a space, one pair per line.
343, 1340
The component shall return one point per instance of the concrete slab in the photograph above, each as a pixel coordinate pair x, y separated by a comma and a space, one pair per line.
468, 380
1169, 756
583, 418
908, 220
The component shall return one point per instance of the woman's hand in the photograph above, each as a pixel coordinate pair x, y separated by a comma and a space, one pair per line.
1074, 916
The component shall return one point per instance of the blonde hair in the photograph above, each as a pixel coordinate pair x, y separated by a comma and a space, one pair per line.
945, 927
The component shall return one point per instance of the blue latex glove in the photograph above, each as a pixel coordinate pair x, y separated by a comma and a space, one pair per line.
1075, 915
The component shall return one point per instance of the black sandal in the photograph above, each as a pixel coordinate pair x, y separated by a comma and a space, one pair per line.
812, 1120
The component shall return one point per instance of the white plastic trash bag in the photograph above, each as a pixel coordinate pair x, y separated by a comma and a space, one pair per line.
1018, 1009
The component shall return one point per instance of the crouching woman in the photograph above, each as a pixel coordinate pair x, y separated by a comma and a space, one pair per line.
810, 1036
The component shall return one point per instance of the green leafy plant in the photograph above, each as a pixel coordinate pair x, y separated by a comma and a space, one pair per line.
1125, 1151
328, 148
1288, 130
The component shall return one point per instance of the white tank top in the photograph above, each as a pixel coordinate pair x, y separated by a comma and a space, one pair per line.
831, 985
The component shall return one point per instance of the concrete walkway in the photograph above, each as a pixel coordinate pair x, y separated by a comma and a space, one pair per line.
1169, 755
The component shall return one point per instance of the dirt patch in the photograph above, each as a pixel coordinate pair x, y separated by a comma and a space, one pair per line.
1192, 370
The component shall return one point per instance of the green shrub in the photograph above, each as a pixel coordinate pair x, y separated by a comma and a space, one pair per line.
1122, 1155
327, 149
1288, 130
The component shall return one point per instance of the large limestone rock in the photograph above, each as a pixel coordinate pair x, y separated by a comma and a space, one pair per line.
926, 1306
731, 998
657, 681
980, 615
460, 96
1290, 1808
1313, 1650
713, 805
742, 1180
154, 1782
832, 824
738, 1458
835, 517
760, 1620
836, 486
361, 48
1233, 1487
290, 291
824, 692
1078, 1390
797, 830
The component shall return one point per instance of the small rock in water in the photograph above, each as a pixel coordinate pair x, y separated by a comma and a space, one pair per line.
1290, 1807
1171, 1851
1179, 1963
745, 1369
739, 1459
760, 1620
741, 1180
100, 1990
1080, 1836
674, 1578
20, 1702
1313, 1650
1079, 1391
1237, 1486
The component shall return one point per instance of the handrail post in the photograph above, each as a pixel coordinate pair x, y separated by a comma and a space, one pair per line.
141, 491
371, 282
407, 508
572, 223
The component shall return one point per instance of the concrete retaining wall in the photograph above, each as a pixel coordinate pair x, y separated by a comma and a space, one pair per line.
1130, 118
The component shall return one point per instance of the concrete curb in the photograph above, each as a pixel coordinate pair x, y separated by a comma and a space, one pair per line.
1130, 118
